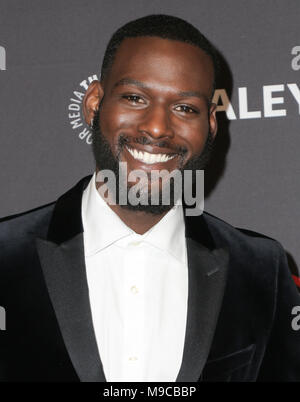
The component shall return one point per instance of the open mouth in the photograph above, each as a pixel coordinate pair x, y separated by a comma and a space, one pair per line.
149, 158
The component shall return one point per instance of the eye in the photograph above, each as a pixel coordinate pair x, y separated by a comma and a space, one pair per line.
186, 109
134, 99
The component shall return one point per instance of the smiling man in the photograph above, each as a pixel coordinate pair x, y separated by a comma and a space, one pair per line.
149, 117
99, 290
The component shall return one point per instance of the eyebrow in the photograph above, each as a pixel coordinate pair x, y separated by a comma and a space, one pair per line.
183, 94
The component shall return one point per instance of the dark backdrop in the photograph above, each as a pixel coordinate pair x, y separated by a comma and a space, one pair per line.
50, 50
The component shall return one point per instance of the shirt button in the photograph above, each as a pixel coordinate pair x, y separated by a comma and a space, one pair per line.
134, 290
135, 243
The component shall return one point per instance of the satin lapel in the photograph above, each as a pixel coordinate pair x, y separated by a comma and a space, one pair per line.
62, 259
207, 278
64, 271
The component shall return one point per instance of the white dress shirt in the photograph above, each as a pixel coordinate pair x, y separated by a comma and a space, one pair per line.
138, 290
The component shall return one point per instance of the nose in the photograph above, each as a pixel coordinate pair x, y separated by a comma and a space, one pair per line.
156, 122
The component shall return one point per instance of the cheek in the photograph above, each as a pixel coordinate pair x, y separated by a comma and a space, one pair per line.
112, 122
195, 136
114, 118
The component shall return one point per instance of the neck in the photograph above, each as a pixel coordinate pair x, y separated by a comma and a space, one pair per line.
139, 221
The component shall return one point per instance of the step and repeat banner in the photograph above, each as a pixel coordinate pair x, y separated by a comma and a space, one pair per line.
51, 51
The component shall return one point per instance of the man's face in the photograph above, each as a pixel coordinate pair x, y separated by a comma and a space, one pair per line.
154, 105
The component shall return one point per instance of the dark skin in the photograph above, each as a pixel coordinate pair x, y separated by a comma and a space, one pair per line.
160, 89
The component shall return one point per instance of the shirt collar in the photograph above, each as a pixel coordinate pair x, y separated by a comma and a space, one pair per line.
168, 234
102, 227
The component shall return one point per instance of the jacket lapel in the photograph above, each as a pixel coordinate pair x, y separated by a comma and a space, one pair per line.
207, 270
62, 260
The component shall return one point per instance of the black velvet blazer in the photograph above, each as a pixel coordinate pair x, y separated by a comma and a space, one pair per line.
240, 301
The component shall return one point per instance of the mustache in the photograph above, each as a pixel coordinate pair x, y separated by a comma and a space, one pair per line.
143, 140
125, 139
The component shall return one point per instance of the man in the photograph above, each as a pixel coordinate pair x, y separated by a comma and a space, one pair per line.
99, 291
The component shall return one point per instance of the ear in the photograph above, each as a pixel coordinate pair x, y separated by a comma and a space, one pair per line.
91, 100
213, 124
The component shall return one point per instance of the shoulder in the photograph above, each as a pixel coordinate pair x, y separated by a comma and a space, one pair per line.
30, 223
17, 242
27, 225
256, 261
241, 241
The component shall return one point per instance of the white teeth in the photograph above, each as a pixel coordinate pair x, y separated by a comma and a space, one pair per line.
153, 158
148, 158
135, 154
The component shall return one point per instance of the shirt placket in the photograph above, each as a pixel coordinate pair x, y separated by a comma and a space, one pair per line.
134, 307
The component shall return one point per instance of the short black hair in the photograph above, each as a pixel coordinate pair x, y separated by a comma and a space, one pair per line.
162, 26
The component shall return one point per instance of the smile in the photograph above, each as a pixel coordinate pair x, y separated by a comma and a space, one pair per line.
148, 158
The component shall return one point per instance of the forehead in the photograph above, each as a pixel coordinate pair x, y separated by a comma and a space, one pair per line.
163, 62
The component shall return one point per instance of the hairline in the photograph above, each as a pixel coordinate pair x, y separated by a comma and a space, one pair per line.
119, 43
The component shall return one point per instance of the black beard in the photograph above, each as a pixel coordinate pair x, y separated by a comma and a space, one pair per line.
105, 159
